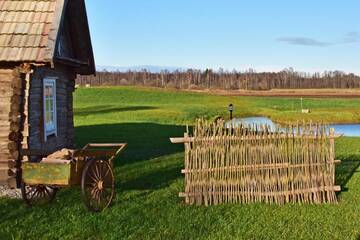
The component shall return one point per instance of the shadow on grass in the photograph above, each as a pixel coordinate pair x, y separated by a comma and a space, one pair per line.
103, 109
154, 180
145, 140
346, 170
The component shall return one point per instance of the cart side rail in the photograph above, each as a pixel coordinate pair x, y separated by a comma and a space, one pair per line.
110, 150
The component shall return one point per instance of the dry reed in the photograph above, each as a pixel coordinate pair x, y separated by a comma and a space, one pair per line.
244, 164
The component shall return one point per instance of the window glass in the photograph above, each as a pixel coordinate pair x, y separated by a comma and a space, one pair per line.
49, 107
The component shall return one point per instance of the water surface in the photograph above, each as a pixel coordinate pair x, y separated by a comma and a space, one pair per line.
349, 130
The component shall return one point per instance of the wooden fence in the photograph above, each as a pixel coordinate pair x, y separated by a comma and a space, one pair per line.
253, 164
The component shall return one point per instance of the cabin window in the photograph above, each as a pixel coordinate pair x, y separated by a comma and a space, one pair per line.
49, 103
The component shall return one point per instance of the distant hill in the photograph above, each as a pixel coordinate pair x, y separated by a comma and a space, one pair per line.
150, 68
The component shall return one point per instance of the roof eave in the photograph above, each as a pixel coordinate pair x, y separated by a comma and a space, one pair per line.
54, 31
92, 69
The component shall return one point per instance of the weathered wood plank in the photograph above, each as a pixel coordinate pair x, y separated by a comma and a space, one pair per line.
46, 173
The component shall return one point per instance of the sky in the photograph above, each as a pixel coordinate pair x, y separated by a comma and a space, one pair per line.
230, 34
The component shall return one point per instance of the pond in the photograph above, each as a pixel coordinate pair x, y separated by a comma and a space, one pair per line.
349, 130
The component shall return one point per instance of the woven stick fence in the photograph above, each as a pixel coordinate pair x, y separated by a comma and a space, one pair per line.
255, 164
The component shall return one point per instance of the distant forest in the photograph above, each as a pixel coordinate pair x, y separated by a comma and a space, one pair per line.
234, 80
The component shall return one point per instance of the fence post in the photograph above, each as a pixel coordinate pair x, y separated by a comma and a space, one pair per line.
187, 149
332, 153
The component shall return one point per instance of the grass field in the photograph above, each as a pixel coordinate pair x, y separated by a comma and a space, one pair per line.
149, 179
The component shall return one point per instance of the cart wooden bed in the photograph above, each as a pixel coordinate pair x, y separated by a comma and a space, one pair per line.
91, 168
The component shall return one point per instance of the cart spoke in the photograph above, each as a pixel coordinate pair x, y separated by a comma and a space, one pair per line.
107, 172
92, 177
38, 192
30, 190
98, 171
47, 191
99, 196
95, 174
34, 194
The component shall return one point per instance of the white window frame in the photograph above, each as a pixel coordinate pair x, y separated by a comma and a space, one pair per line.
49, 81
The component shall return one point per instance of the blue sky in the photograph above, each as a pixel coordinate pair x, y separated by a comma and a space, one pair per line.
264, 35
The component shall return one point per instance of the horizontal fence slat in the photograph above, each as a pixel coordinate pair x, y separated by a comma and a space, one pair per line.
262, 137
301, 191
256, 167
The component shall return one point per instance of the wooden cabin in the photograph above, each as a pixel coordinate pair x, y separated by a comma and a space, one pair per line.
44, 44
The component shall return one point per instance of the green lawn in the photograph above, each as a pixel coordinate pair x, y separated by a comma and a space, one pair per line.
149, 179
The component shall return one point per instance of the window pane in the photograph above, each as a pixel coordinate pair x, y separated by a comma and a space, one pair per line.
50, 90
47, 91
47, 117
46, 104
49, 106
51, 117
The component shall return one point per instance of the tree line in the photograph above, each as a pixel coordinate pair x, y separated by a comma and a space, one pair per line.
227, 80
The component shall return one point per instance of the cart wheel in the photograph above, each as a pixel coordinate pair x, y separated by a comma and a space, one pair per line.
97, 185
37, 194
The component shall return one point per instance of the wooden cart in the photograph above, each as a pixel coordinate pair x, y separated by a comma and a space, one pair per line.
90, 167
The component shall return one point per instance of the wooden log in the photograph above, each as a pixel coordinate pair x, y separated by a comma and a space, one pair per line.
16, 98
4, 172
5, 104
4, 146
12, 145
5, 81
9, 182
299, 191
4, 156
11, 127
15, 136
191, 139
16, 83
5, 128
8, 163
14, 154
4, 135
6, 87
12, 172
12, 182
4, 122
14, 117
9, 93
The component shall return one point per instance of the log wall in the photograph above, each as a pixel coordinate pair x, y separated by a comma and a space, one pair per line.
11, 127
65, 125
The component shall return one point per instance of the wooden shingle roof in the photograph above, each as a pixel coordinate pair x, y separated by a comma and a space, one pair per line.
28, 29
